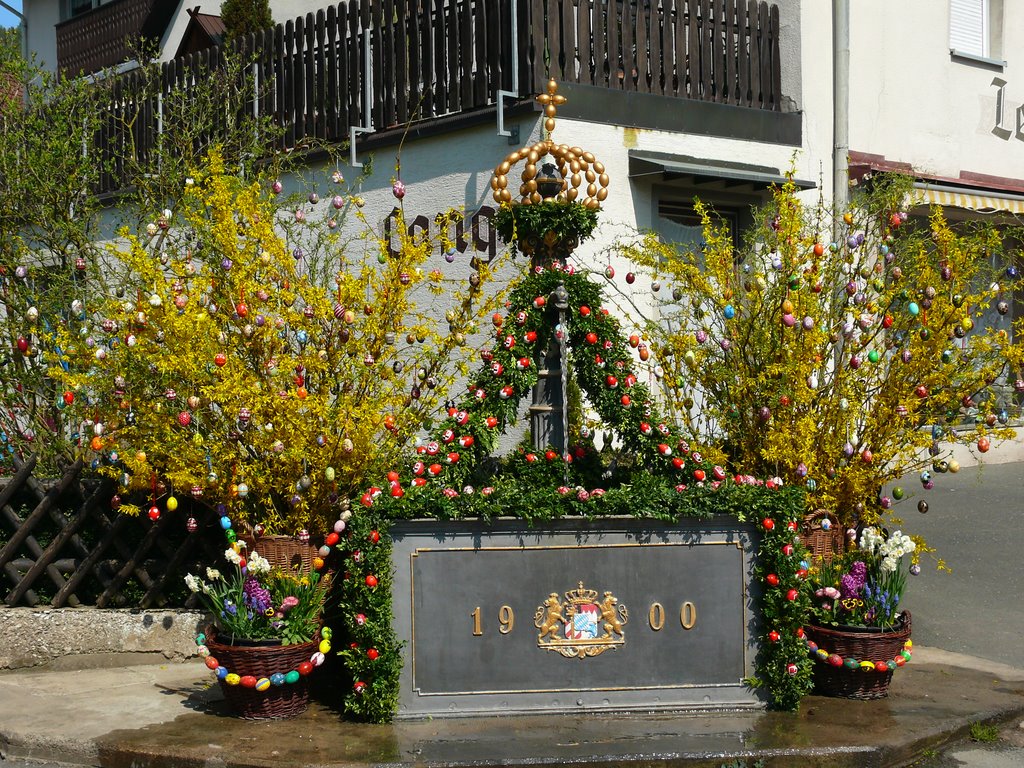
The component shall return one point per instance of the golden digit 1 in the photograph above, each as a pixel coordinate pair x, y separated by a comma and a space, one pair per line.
506, 618
688, 615
477, 629
656, 616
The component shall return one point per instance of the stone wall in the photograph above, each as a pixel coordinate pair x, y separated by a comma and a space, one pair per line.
94, 637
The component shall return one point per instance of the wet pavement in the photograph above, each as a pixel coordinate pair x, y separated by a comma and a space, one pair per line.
157, 716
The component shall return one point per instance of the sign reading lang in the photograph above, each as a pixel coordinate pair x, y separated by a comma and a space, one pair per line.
473, 232
1002, 110
600, 615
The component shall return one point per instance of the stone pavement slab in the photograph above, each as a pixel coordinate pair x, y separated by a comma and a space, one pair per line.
158, 716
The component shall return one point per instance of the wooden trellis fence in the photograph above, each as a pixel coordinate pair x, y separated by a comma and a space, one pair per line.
61, 544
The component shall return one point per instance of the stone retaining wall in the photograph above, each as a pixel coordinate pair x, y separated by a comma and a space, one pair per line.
93, 637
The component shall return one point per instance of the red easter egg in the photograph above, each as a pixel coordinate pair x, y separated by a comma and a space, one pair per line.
304, 668
371, 581
247, 681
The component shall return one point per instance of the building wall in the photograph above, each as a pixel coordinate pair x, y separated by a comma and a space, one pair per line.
43, 16
914, 102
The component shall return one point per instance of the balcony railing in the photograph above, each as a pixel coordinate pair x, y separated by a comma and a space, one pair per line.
382, 64
102, 37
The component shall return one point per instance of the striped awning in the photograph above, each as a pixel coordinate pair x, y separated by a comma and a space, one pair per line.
957, 197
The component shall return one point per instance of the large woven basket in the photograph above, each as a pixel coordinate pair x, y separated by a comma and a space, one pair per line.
278, 701
823, 541
864, 645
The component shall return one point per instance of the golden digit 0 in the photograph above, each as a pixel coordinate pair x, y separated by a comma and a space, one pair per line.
656, 616
688, 615
506, 618
477, 629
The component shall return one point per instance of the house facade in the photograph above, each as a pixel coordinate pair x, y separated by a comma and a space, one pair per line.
715, 99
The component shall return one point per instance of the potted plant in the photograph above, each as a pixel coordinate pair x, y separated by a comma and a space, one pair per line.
839, 354
856, 630
266, 636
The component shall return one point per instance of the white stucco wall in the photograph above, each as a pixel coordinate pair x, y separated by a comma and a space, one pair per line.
913, 102
42, 16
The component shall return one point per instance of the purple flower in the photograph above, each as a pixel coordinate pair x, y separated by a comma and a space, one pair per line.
853, 582
256, 596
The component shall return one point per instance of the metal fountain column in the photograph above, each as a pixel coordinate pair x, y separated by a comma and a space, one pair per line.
553, 172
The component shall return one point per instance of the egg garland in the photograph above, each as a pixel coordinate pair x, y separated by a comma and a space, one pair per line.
276, 679
835, 660
604, 370
604, 365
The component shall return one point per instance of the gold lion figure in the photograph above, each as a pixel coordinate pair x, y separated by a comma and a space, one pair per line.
549, 618
610, 614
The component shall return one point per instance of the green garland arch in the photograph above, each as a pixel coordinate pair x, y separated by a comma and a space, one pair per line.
673, 481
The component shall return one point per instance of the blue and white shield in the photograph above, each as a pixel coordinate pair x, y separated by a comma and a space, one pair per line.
584, 624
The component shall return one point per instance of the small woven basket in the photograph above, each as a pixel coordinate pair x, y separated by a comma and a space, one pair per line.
285, 552
865, 645
824, 543
259, 661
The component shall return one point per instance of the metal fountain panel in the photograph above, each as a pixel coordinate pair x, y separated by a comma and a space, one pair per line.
607, 615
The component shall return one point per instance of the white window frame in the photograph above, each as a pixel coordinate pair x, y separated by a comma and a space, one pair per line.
965, 39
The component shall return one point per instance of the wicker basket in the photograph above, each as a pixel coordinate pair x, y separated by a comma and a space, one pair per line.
284, 552
259, 661
869, 644
822, 543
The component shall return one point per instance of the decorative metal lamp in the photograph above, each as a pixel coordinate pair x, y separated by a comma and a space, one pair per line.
560, 178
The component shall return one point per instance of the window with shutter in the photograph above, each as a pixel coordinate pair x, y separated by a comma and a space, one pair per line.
969, 27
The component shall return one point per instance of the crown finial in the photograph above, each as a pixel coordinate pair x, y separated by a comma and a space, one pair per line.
553, 171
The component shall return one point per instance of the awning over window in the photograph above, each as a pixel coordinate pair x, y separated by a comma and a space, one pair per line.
971, 199
699, 171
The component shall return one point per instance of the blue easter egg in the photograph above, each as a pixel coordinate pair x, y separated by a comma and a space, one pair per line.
277, 678
225, 522
222, 672
729, 312
913, 309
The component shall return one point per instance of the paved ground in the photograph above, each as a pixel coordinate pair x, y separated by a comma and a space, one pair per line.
159, 716
976, 522
968, 669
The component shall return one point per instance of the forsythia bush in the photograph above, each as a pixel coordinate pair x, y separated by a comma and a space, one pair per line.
840, 365
222, 367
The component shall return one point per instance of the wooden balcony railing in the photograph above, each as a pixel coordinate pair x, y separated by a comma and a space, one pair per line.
386, 63
102, 37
